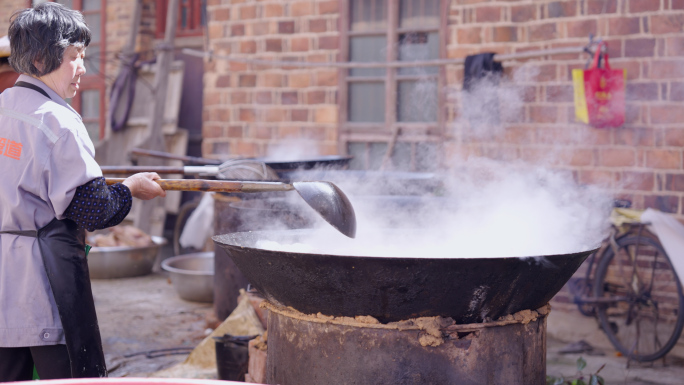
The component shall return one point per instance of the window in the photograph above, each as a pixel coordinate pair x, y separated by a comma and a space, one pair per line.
90, 99
378, 103
192, 17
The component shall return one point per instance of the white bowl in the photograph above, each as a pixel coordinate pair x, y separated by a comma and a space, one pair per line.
192, 275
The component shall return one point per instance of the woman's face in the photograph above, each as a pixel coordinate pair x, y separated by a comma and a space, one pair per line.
65, 79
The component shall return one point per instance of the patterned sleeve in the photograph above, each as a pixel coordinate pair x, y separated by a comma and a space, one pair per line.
98, 206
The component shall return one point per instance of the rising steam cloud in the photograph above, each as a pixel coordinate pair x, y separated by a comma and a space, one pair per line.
484, 208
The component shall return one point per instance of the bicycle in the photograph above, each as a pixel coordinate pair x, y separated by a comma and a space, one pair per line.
632, 289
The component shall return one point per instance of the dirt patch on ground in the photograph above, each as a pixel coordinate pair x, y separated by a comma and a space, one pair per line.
145, 326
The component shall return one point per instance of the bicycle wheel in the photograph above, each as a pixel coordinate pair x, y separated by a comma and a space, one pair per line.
640, 298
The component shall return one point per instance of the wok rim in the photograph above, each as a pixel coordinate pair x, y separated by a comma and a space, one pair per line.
216, 238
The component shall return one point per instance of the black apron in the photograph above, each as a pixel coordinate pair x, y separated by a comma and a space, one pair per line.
63, 250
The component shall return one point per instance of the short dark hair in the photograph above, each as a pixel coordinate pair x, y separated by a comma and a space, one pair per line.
42, 34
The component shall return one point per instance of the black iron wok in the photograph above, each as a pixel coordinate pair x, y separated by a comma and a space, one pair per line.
393, 289
322, 162
317, 162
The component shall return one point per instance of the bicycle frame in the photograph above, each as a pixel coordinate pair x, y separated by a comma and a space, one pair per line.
581, 286
620, 289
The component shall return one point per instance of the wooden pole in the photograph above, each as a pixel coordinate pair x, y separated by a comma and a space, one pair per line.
155, 140
129, 48
388, 64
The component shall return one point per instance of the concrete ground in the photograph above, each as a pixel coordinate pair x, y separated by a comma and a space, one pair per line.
616, 370
145, 326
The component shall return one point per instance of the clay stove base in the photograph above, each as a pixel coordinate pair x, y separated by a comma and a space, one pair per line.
305, 349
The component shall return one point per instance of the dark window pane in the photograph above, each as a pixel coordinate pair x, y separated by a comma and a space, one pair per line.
367, 49
90, 104
92, 5
418, 47
92, 60
427, 158
401, 156
94, 23
203, 13
358, 151
431, 12
368, 15
417, 101
377, 154
184, 18
418, 13
367, 102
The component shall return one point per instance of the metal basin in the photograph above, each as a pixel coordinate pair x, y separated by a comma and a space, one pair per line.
393, 289
192, 276
123, 261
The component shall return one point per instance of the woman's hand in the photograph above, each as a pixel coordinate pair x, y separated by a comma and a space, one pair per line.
143, 185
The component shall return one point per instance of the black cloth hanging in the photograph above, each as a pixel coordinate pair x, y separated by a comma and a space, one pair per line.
480, 66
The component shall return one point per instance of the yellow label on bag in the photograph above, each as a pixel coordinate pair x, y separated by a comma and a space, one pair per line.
581, 112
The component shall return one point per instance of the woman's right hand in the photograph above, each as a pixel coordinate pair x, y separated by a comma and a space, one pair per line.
143, 185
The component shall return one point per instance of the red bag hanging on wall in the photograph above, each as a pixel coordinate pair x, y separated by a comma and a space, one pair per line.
600, 93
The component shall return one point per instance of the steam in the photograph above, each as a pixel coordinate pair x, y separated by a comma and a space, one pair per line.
478, 207
293, 149
493, 211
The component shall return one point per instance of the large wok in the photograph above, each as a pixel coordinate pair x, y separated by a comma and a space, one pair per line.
393, 289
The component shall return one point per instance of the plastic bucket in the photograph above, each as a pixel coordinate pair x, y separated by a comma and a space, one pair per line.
232, 357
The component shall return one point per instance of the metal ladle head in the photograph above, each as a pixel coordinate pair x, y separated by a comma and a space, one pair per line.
330, 203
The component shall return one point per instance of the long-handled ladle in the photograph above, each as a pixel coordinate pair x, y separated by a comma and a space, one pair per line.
324, 197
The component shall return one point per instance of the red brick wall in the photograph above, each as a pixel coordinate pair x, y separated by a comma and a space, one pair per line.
247, 108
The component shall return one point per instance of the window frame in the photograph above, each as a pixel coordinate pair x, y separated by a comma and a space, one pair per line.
195, 16
409, 132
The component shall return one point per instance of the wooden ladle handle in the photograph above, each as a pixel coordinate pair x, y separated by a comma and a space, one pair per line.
214, 185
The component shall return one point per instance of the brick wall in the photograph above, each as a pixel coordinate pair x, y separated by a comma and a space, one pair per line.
249, 108
7, 8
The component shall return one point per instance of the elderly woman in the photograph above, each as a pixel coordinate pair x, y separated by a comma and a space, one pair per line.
52, 189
